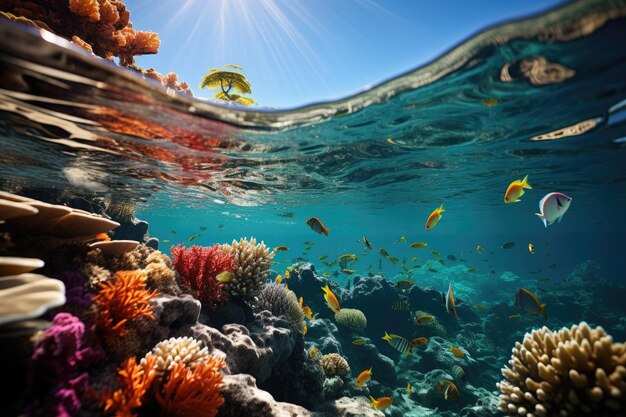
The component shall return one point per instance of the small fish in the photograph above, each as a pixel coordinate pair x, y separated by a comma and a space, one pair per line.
363, 378
479, 306
313, 352
173, 232
202, 228
359, 342
449, 301
331, 299
348, 271
423, 319
103, 237
440, 261
368, 245
193, 237
516, 190
552, 207
308, 313
380, 403
544, 279
531, 248
279, 279
281, 249
287, 274
462, 260
515, 316
419, 341
435, 252
472, 270
389, 140
434, 217
451, 257
326, 275
415, 258
528, 302
457, 352
317, 225
221, 226
400, 305
490, 102
404, 284
408, 388
323, 257
304, 330
383, 252
225, 277
507, 245
287, 214
458, 372
480, 249
419, 245
166, 241
392, 260
399, 343
403, 239
433, 270
450, 391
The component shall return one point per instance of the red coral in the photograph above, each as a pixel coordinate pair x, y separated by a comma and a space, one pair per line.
121, 299
134, 380
198, 266
192, 392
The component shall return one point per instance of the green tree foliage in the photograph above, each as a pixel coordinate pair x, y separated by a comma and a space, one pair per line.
230, 82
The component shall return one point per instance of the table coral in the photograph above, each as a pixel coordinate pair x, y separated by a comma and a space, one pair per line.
572, 372
198, 266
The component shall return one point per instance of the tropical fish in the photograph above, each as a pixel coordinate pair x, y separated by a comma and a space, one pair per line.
221, 226
490, 102
389, 140
392, 260
451, 257
345, 259
449, 301
225, 277
304, 330
462, 260
553, 207
326, 275
287, 214
368, 245
400, 305
433, 270
173, 232
423, 319
331, 300
458, 372
202, 228
359, 342
507, 245
404, 284
380, 403
415, 258
193, 237
323, 257
383, 252
515, 316
363, 378
419, 245
287, 274
531, 248
317, 225
479, 249
403, 239
281, 249
472, 270
527, 301
313, 352
440, 261
408, 388
457, 352
166, 241
103, 237
450, 391
419, 341
348, 271
399, 343
279, 279
516, 190
434, 217
435, 252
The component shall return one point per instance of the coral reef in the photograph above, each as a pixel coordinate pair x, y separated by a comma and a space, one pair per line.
134, 381
352, 318
198, 267
281, 302
184, 350
252, 265
572, 372
334, 364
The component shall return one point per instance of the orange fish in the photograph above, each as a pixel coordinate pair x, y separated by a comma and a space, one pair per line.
331, 300
516, 190
457, 352
103, 237
381, 403
448, 300
419, 341
317, 225
434, 218
450, 391
363, 378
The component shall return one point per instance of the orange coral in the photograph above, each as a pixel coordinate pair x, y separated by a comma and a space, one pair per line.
121, 299
134, 380
192, 392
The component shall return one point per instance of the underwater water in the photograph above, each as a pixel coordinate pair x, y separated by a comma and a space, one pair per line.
543, 97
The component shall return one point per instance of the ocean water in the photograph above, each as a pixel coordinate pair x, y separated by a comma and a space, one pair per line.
543, 97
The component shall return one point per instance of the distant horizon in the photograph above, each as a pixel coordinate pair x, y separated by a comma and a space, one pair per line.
296, 54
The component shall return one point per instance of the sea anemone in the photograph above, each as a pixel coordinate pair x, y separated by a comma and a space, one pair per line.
334, 364
281, 302
572, 372
252, 265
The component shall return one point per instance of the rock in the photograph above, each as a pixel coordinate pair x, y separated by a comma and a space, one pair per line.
323, 331
234, 311
153, 243
298, 381
133, 229
348, 407
175, 312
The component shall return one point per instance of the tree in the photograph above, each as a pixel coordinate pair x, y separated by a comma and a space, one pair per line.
229, 82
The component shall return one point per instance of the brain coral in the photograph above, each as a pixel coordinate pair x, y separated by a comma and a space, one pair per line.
281, 302
352, 318
572, 372
252, 266
334, 365
185, 350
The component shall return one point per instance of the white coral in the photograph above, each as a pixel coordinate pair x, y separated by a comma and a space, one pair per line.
252, 265
186, 350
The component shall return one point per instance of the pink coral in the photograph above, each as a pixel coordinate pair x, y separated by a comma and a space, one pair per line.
198, 266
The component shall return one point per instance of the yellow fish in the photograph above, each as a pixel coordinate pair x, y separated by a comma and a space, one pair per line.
281, 249
404, 284
323, 257
415, 258
331, 299
383, 252
434, 217
399, 343
348, 271
479, 249
403, 238
287, 274
304, 330
313, 352
516, 190
531, 248
225, 277
419, 245
166, 241
435, 252
368, 245
424, 319
358, 342
363, 378
380, 403
472, 270
193, 237
408, 388
279, 279
490, 102
389, 140
392, 259
457, 352
450, 391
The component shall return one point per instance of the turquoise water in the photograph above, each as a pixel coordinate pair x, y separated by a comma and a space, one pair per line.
456, 132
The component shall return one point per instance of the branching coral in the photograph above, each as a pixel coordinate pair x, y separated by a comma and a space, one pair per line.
281, 302
192, 392
185, 350
123, 299
572, 372
134, 381
334, 364
252, 266
198, 267
351, 318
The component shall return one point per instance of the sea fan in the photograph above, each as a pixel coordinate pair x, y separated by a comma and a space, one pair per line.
198, 267
122, 299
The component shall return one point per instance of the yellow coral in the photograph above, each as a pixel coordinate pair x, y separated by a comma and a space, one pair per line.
572, 372
334, 364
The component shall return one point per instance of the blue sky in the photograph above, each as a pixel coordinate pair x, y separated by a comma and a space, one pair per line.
298, 52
